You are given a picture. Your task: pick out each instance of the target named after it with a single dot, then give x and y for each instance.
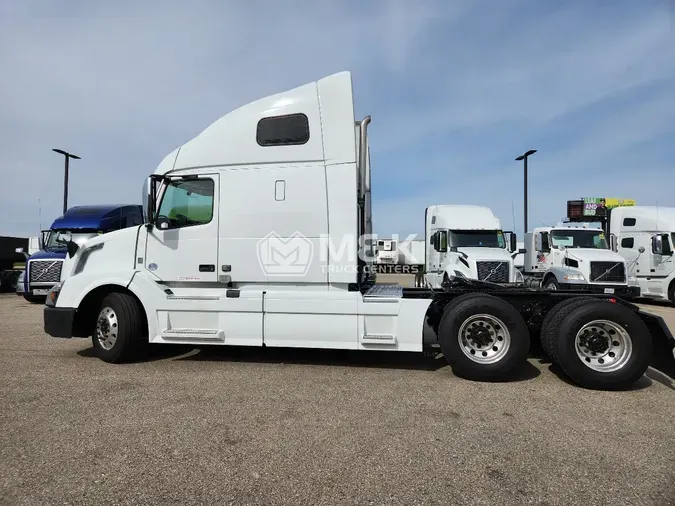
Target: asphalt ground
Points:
(250, 426)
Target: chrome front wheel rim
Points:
(107, 328)
(484, 338)
(603, 345)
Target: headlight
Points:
(633, 280)
(519, 276)
(459, 274)
(574, 277)
(53, 294)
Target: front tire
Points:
(483, 338)
(551, 284)
(119, 328)
(35, 299)
(600, 345)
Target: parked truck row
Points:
(252, 238)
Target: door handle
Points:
(207, 268)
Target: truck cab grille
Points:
(608, 272)
(493, 272)
(45, 271)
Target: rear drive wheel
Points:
(547, 335)
(483, 337)
(118, 332)
(600, 344)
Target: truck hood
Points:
(593, 254)
(48, 255)
(118, 248)
(486, 254)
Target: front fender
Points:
(76, 288)
(560, 272)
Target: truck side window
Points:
(627, 242)
(629, 222)
(288, 130)
(186, 203)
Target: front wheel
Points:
(551, 284)
(483, 338)
(118, 332)
(600, 344)
(35, 299)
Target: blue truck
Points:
(43, 269)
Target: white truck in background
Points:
(645, 237)
(255, 237)
(567, 257)
(467, 241)
(386, 251)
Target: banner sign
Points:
(598, 206)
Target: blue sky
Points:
(456, 90)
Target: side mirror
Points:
(657, 245)
(545, 245)
(513, 243)
(72, 248)
(18, 250)
(443, 241)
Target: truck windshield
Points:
(578, 239)
(477, 239)
(56, 238)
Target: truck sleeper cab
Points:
(253, 238)
(645, 237)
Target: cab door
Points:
(182, 245)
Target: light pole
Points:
(523, 157)
(68, 156)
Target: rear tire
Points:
(547, 334)
(671, 292)
(119, 328)
(600, 344)
(483, 337)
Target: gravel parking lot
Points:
(243, 426)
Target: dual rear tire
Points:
(598, 344)
(483, 337)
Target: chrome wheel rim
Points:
(107, 328)
(484, 338)
(603, 346)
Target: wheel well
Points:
(86, 314)
(547, 277)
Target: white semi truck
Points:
(567, 257)
(645, 237)
(254, 237)
(467, 241)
